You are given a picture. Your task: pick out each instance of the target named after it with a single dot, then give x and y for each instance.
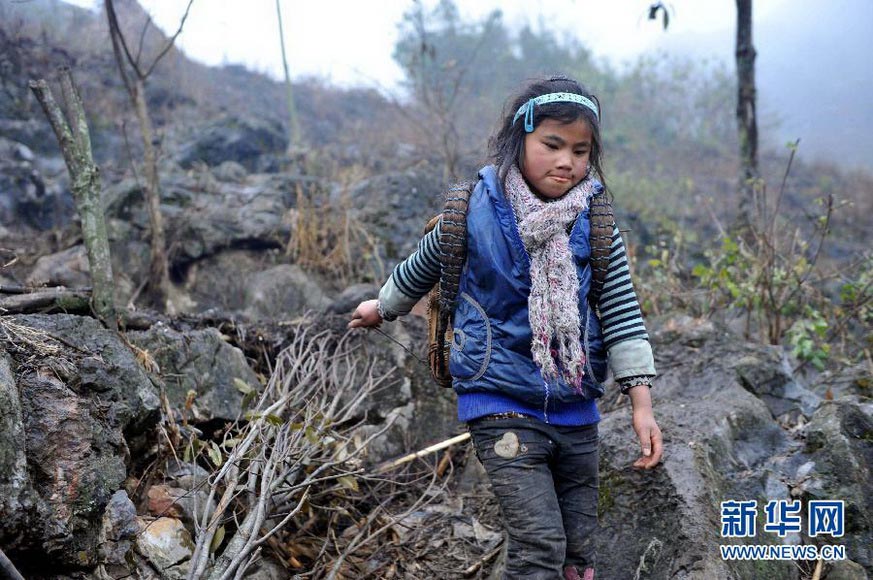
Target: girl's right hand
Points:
(366, 315)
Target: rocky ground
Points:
(88, 489)
(91, 419)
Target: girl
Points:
(529, 350)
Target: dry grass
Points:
(329, 239)
(30, 339)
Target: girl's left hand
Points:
(649, 434)
(647, 430)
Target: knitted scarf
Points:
(553, 304)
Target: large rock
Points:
(77, 463)
(209, 224)
(68, 268)
(211, 285)
(234, 139)
(281, 293)
(839, 442)
(97, 364)
(72, 269)
(202, 362)
(722, 443)
(84, 400)
(232, 216)
(347, 300)
(396, 206)
(15, 488)
(204, 216)
(25, 196)
(766, 372)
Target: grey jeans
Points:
(545, 479)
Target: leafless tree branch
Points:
(297, 437)
(172, 40)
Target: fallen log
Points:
(47, 301)
(14, 289)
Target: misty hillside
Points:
(826, 98)
(671, 153)
(41, 35)
(822, 97)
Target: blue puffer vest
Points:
(491, 350)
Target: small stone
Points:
(846, 570)
(804, 470)
(163, 501)
(164, 542)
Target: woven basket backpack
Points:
(442, 298)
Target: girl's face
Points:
(556, 156)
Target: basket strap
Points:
(602, 226)
(453, 254)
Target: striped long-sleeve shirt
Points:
(624, 332)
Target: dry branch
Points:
(426, 451)
(483, 561)
(8, 569)
(298, 439)
(50, 300)
(134, 83)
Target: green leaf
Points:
(349, 482)
(248, 398)
(215, 454)
(311, 435)
(192, 449)
(216, 539)
(274, 420)
(242, 386)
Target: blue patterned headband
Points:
(527, 109)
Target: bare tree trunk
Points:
(746, 116)
(293, 125)
(75, 142)
(159, 273)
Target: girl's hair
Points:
(506, 148)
